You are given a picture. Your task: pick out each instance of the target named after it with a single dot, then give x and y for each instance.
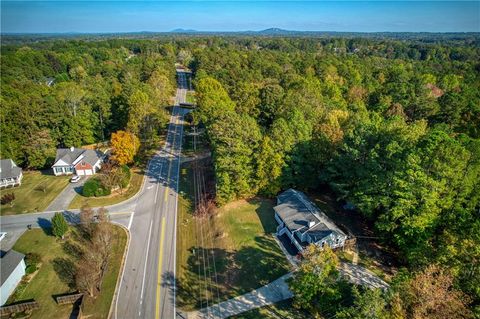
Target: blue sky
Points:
(134, 16)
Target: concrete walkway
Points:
(271, 293)
(63, 200)
(361, 276)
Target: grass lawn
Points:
(133, 188)
(226, 255)
(47, 283)
(30, 196)
(283, 309)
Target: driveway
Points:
(66, 196)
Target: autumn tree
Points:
(431, 294)
(125, 146)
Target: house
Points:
(78, 161)
(12, 269)
(10, 173)
(304, 223)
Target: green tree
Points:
(59, 225)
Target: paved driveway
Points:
(66, 196)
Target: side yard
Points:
(227, 254)
(56, 270)
(37, 191)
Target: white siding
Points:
(11, 283)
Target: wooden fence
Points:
(19, 307)
(68, 299)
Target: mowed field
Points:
(37, 191)
(225, 255)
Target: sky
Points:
(161, 16)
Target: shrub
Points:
(90, 187)
(33, 259)
(30, 269)
(94, 187)
(126, 175)
(7, 198)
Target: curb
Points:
(121, 270)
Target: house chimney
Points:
(311, 223)
(72, 148)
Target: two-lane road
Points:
(147, 286)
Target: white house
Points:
(10, 173)
(12, 269)
(78, 161)
(304, 223)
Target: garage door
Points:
(80, 172)
(88, 172)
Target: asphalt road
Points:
(147, 285)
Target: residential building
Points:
(77, 160)
(304, 223)
(12, 269)
(10, 173)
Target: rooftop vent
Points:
(72, 148)
(311, 223)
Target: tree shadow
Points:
(46, 225)
(213, 275)
(65, 270)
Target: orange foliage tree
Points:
(125, 145)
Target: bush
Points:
(127, 174)
(90, 187)
(7, 198)
(94, 187)
(32, 260)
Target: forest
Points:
(74, 93)
(392, 126)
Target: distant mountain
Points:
(274, 31)
(180, 30)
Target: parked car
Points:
(75, 179)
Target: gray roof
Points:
(8, 169)
(69, 155)
(8, 263)
(298, 212)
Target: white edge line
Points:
(146, 261)
(131, 220)
(123, 273)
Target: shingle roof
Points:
(298, 212)
(8, 169)
(69, 156)
(8, 263)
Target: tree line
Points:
(74, 93)
(395, 134)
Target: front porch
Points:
(63, 170)
(10, 182)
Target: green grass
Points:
(238, 239)
(47, 283)
(30, 197)
(133, 188)
(283, 309)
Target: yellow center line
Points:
(159, 273)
